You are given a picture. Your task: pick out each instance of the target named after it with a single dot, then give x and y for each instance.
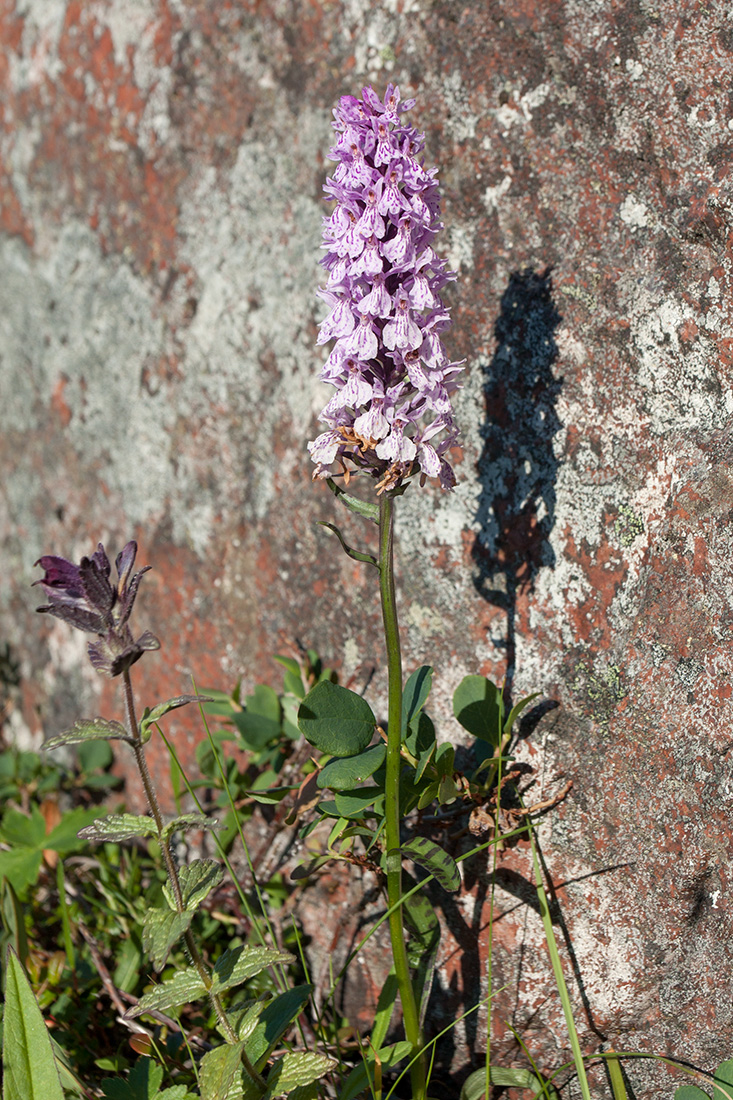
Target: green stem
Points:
(170, 866)
(410, 1013)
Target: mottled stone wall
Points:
(161, 165)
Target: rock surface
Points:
(161, 165)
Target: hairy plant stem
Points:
(175, 883)
(410, 1015)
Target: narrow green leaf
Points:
(336, 720)
(118, 827)
(221, 1073)
(295, 1070)
(129, 957)
(14, 921)
(426, 853)
(185, 986)
(357, 555)
(237, 966)
(360, 507)
(385, 1010)
(274, 1021)
(415, 694)
(517, 710)
(161, 929)
(360, 1078)
(198, 878)
(89, 729)
(616, 1077)
(150, 717)
(190, 821)
(29, 1069)
(348, 772)
(476, 706)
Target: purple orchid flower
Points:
(392, 376)
(83, 596)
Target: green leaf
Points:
(189, 821)
(295, 1070)
(474, 1086)
(65, 837)
(336, 720)
(420, 915)
(20, 867)
(274, 1021)
(447, 790)
(237, 966)
(90, 729)
(183, 988)
(150, 717)
(13, 918)
(385, 1010)
(348, 772)
(445, 759)
(415, 695)
(420, 737)
(690, 1092)
(435, 860)
(359, 1079)
(95, 756)
(724, 1074)
(357, 555)
(29, 1068)
(517, 710)
(221, 1073)
(118, 827)
(476, 705)
(127, 971)
(261, 721)
(143, 1082)
(360, 507)
(429, 793)
(197, 878)
(20, 829)
(161, 929)
(353, 804)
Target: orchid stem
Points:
(410, 1013)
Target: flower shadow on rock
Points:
(518, 467)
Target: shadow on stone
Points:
(518, 467)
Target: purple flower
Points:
(83, 596)
(393, 379)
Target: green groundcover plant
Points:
(231, 1017)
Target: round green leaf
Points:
(336, 720)
(476, 705)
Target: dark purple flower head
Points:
(83, 596)
(391, 414)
